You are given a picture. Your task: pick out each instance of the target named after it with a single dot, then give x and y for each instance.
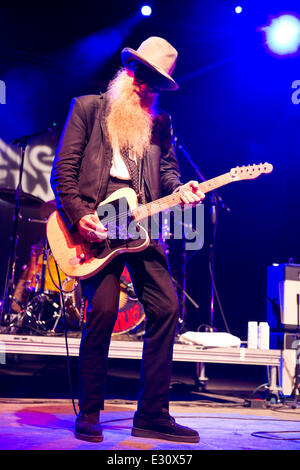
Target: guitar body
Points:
(79, 258)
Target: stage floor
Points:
(45, 424)
(37, 414)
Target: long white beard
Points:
(129, 120)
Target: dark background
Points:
(233, 107)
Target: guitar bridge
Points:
(117, 218)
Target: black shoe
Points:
(162, 427)
(88, 428)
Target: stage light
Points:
(146, 10)
(238, 9)
(283, 34)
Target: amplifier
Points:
(283, 296)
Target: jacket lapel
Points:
(108, 152)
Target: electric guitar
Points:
(122, 216)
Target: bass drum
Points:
(130, 317)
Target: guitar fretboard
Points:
(164, 203)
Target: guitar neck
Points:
(164, 203)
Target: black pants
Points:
(153, 286)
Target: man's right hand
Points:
(90, 228)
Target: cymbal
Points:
(27, 200)
(47, 208)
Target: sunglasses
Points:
(152, 79)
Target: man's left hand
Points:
(190, 193)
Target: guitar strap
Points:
(136, 173)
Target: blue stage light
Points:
(238, 9)
(283, 34)
(146, 10)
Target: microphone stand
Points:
(180, 287)
(215, 199)
(213, 218)
(188, 157)
(22, 142)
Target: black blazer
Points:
(83, 159)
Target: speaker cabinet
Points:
(283, 294)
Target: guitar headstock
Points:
(250, 171)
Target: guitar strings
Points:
(205, 186)
(164, 200)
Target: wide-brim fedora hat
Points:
(157, 54)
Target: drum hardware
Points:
(129, 289)
(44, 314)
(18, 302)
(9, 286)
(42, 284)
(38, 317)
(36, 221)
(83, 311)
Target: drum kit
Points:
(45, 301)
